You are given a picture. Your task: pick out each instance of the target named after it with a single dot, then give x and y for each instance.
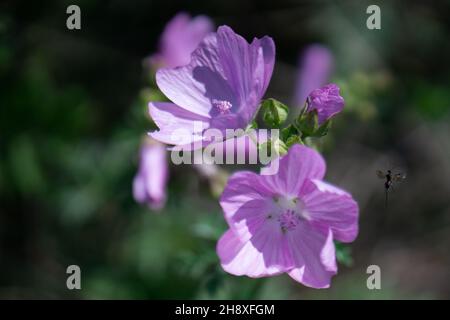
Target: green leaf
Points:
(275, 112)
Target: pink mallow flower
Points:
(286, 223)
(179, 39)
(221, 88)
(326, 101)
(149, 184)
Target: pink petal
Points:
(180, 38)
(178, 126)
(314, 255)
(268, 49)
(332, 207)
(316, 64)
(248, 68)
(242, 188)
(149, 184)
(139, 192)
(266, 253)
(299, 164)
(255, 245)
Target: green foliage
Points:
(433, 102)
(343, 254)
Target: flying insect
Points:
(390, 179)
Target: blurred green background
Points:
(72, 116)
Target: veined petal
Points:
(299, 164)
(244, 187)
(332, 207)
(266, 48)
(314, 255)
(177, 125)
(247, 67)
(266, 253)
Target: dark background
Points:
(73, 112)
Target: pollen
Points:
(222, 105)
(290, 213)
(288, 220)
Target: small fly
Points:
(390, 178)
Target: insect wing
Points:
(399, 177)
(381, 174)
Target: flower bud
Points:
(275, 113)
(326, 101)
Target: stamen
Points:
(290, 212)
(288, 220)
(223, 106)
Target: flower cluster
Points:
(284, 222)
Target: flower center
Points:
(222, 105)
(290, 213)
(288, 220)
